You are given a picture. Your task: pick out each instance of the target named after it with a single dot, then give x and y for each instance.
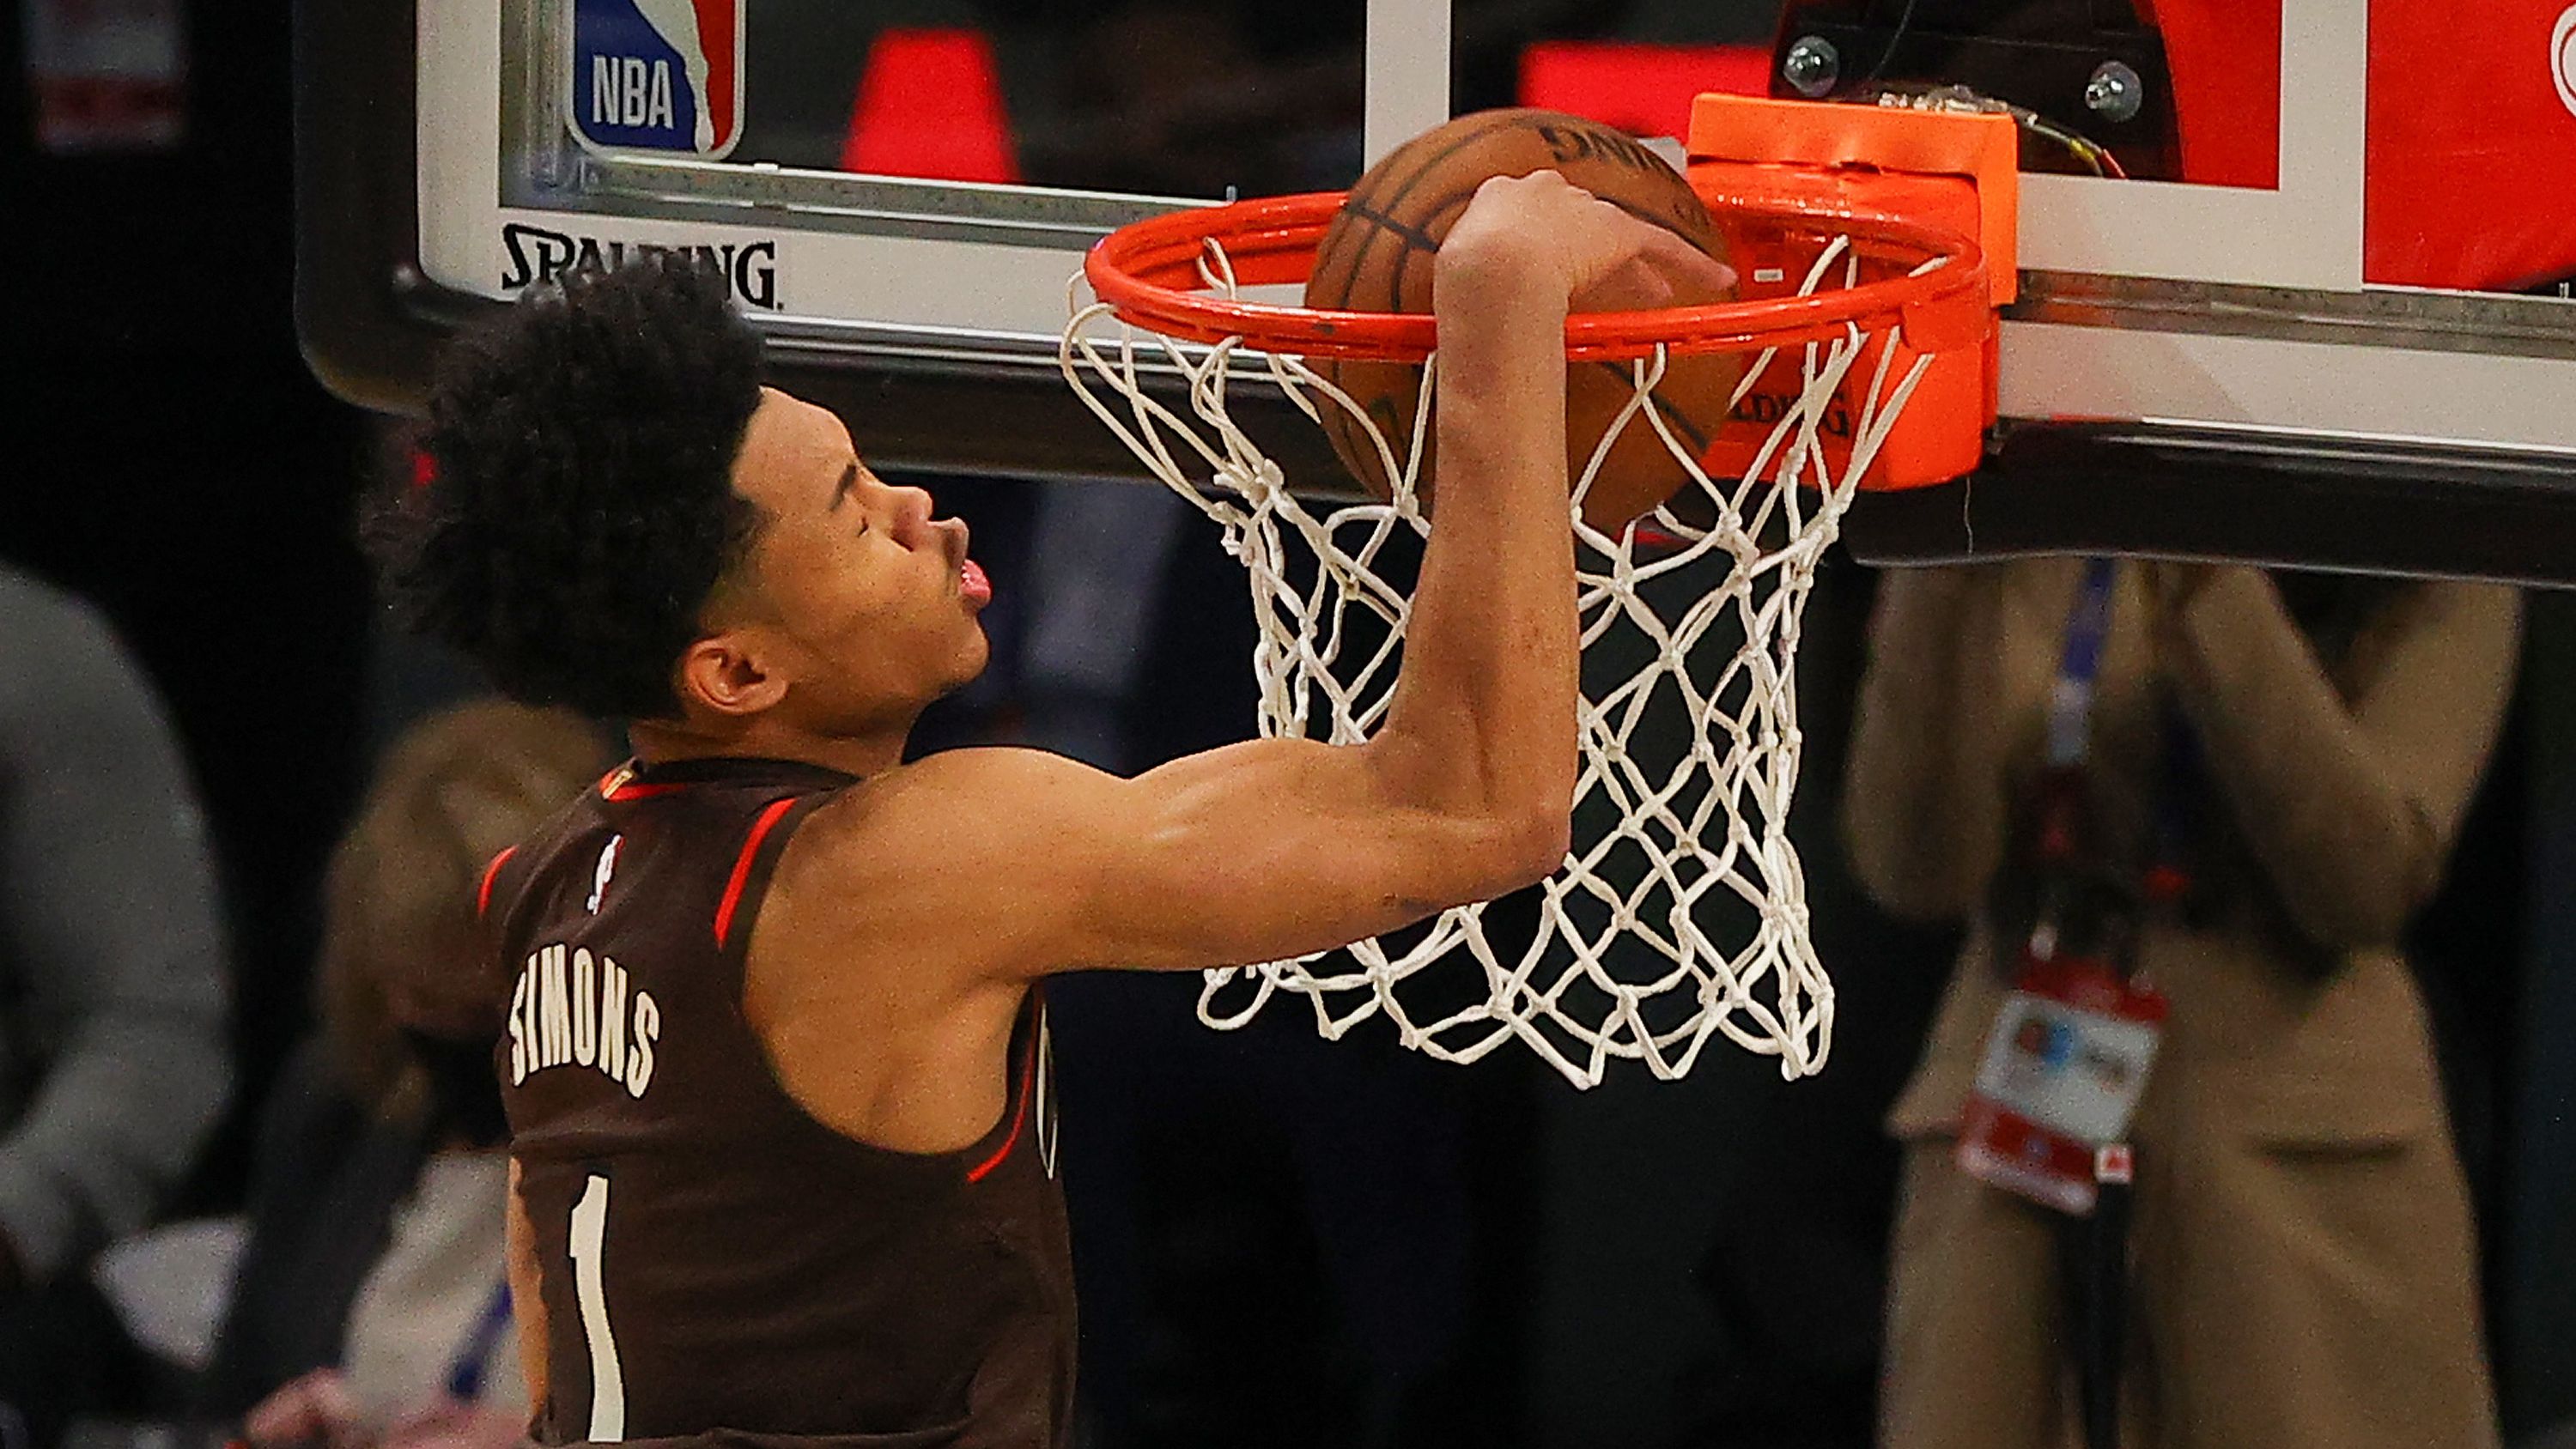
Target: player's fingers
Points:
(1601, 238)
(1653, 288)
(1610, 259)
(1653, 268)
(1532, 189)
(1631, 286)
(1692, 273)
(1507, 210)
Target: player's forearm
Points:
(1483, 719)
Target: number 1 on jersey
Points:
(607, 1384)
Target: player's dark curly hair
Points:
(572, 504)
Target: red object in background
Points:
(2471, 121)
(1645, 90)
(2471, 180)
(2225, 59)
(107, 78)
(930, 105)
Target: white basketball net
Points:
(1680, 911)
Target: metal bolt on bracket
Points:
(2115, 93)
(1812, 66)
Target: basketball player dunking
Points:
(775, 1063)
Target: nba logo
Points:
(658, 75)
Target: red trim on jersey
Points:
(492, 872)
(742, 865)
(1019, 1116)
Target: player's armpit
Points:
(1014, 863)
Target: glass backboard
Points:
(2323, 319)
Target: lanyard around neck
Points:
(2165, 880)
(2079, 666)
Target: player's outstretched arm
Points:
(1277, 848)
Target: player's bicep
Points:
(1254, 852)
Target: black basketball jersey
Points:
(713, 1262)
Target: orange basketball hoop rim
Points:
(1911, 212)
(1154, 272)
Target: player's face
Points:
(868, 602)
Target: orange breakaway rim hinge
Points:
(1957, 171)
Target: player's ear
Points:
(723, 675)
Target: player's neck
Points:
(861, 755)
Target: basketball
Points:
(1376, 256)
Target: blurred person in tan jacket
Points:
(2302, 1260)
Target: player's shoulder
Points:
(989, 766)
(954, 798)
(540, 852)
(991, 839)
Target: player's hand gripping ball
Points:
(1377, 257)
